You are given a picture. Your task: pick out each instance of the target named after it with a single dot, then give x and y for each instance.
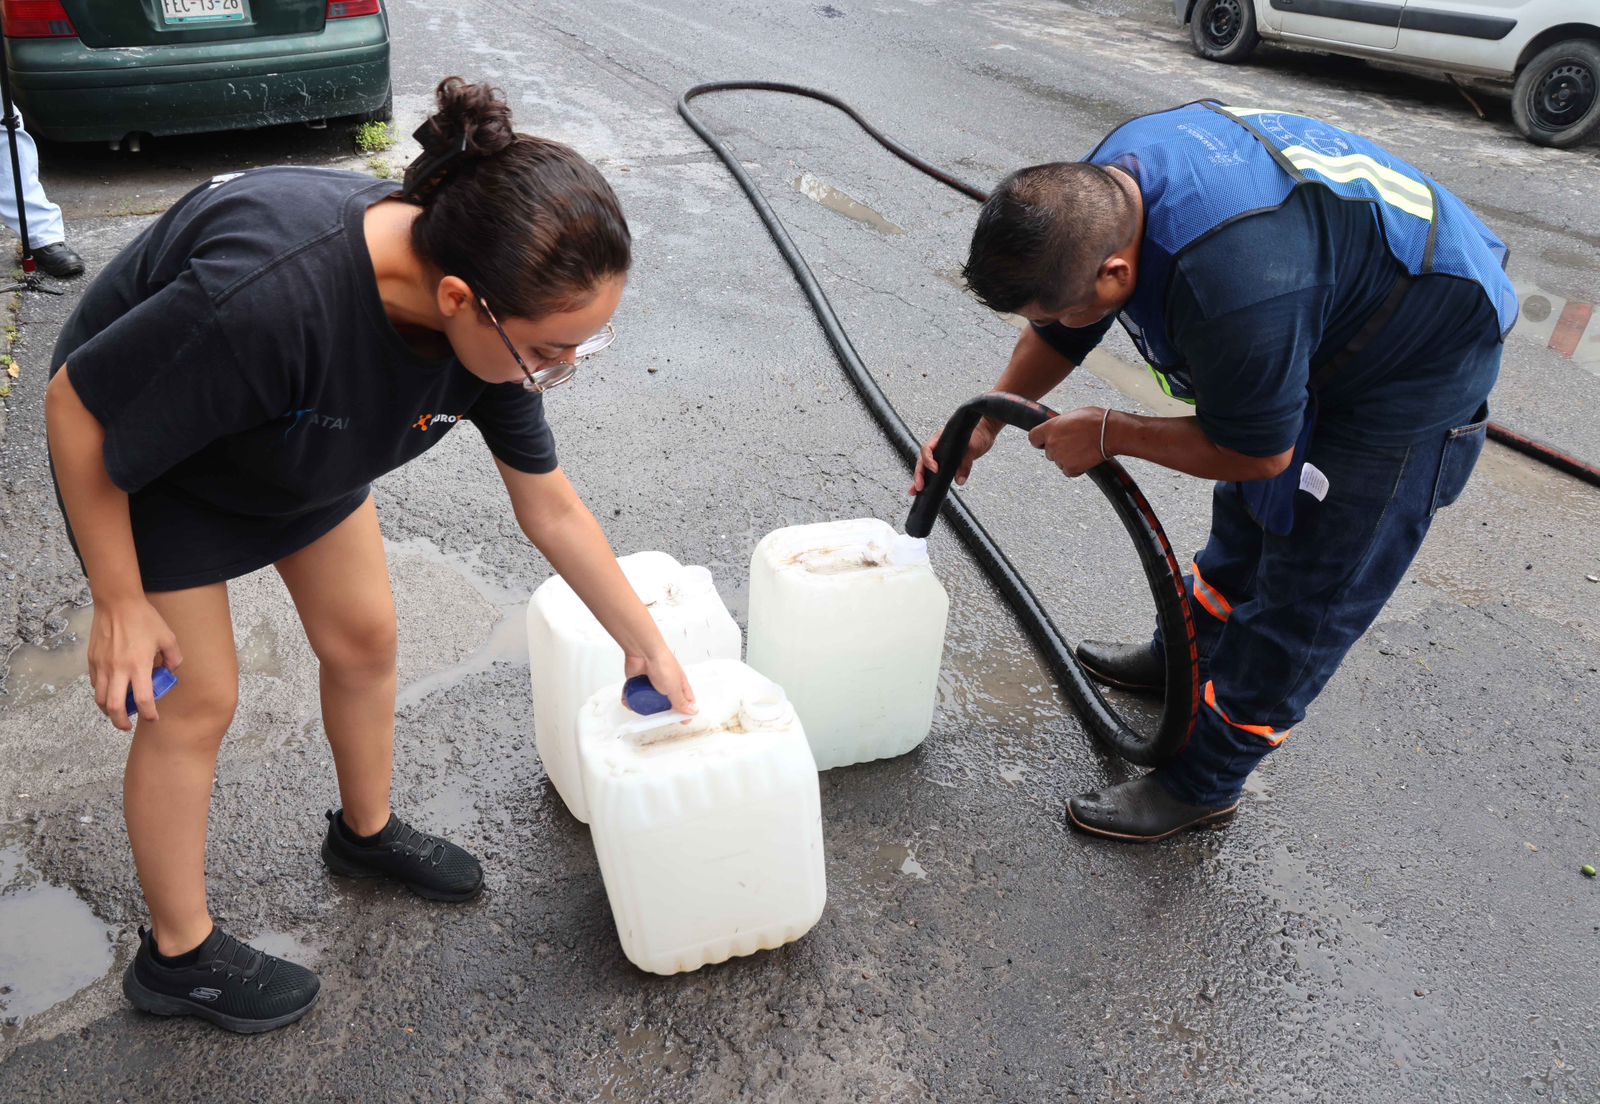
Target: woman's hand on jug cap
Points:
(666, 675)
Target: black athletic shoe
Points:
(231, 984)
(429, 866)
(1134, 667)
(1141, 811)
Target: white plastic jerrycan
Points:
(709, 835)
(849, 618)
(570, 655)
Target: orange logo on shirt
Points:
(422, 422)
(427, 420)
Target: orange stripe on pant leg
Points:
(1210, 598)
(1266, 732)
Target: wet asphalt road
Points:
(1397, 914)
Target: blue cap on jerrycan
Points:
(643, 698)
(161, 680)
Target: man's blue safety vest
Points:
(1202, 165)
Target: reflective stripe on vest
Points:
(1166, 385)
(1394, 188)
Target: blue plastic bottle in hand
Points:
(161, 680)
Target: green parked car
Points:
(105, 70)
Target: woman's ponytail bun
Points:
(527, 222)
(477, 113)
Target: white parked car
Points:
(1550, 49)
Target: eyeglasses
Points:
(561, 371)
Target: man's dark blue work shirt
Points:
(1254, 306)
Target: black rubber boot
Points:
(231, 984)
(1134, 667)
(1141, 811)
(427, 865)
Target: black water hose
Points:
(1173, 613)
(1161, 567)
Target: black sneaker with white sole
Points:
(230, 983)
(427, 865)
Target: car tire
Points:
(1224, 30)
(381, 114)
(1556, 100)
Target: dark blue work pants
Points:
(1275, 615)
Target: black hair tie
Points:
(425, 174)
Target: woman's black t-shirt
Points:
(250, 385)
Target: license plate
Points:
(183, 13)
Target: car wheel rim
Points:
(1563, 96)
(1223, 21)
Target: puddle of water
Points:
(1569, 258)
(507, 639)
(39, 671)
(452, 810)
(1139, 712)
(258, 655)
(840, 203)
(1257, 789)
(1189, 1043)
(54, 945)
(892, 862)
(1548, 488)
(986, 688)
(1335, 948)
(644, 1060)
(296, 947)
